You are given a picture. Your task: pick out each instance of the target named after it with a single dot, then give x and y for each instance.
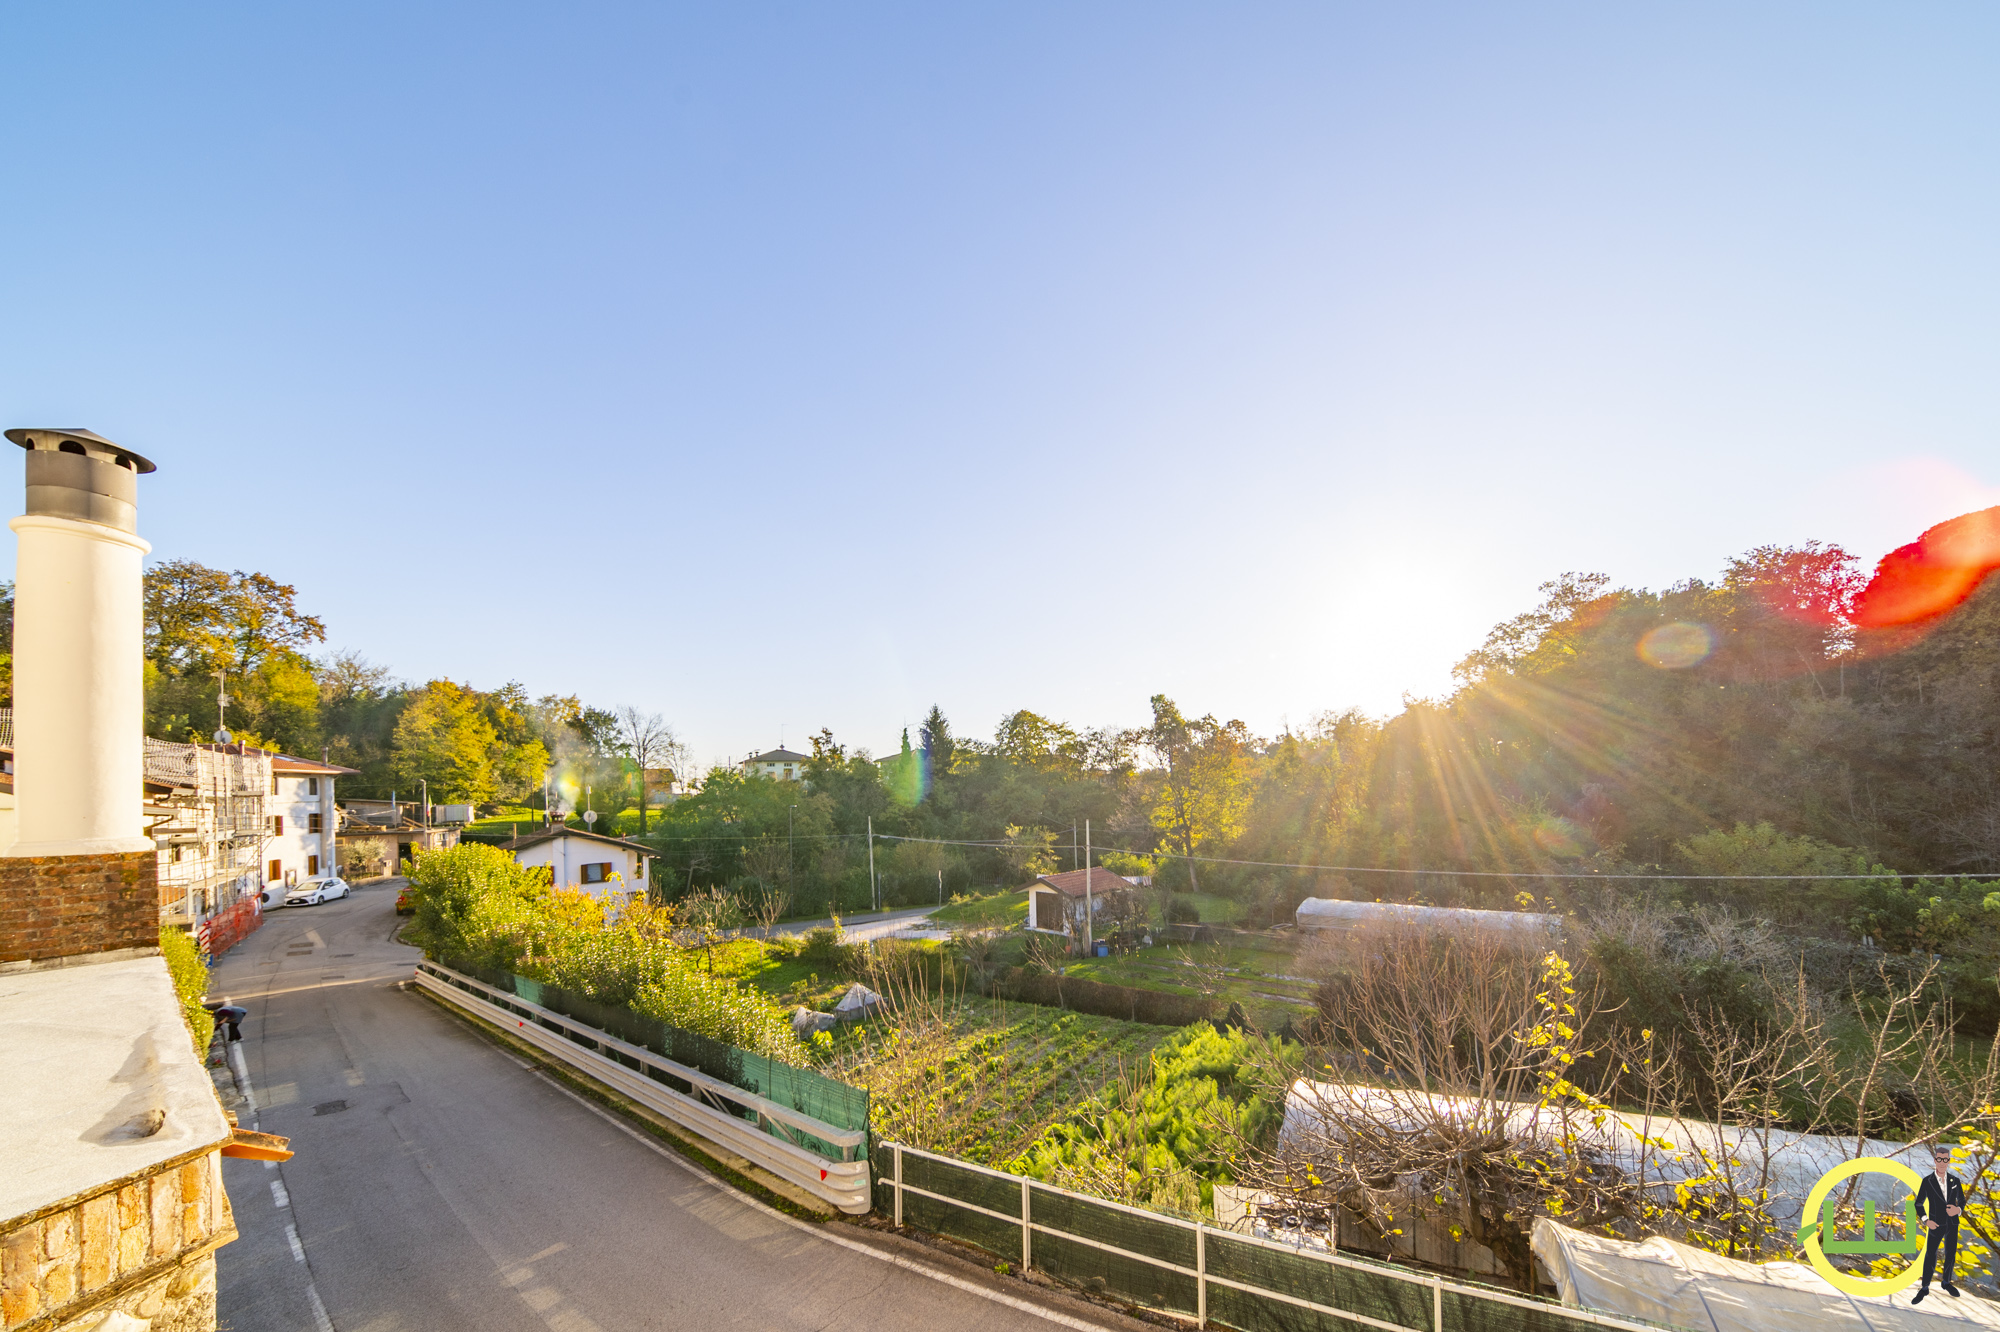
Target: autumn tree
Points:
(1204, 787)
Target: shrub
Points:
(190, 977)
(1182, 911)
(1105, 1000)
(1163, 1140)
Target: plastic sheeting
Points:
(1668, 1282)
(1788, 1164)
(1329, 913)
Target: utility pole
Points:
(1072, 843)
(1089, 911)
(940, 887)
(789, 811)
(873, 891)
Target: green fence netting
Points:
(1125, 1275)
(1307, 1276)
(1148, 1259)
(832, 1103)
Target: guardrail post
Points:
(1200, 1275)
(897, 1148)
(1027, 1230)
(1437, 1303)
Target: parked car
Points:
(314, 891)
(406, 901)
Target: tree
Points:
(937, 743)
(1204, 788)
(651, 743)
(444, 739)
(199, 621)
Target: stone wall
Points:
(145, 1249)
(61, 906)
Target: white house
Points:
(780, 764)
(300, 843)
(600, 865)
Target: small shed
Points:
(1056, 901)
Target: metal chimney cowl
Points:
(79, 675)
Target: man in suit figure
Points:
(1939, 1202)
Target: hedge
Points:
(1102, 999)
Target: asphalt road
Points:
(440, 1183)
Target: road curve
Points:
(440, 1183)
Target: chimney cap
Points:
(25, 437)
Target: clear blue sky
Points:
(804, 365)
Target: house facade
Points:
(304, 819)
(778, 764)
(600, 865)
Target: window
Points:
(597, 872)
(312, 866)
(277, 871)
(274, 783)
(312, 786)
(312, 823)
(277, 825)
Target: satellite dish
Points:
(590, 816)
(222, 735)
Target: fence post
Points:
(1200, 1275)
(897, 1148)
(1437, 1303)
(1027, 1230)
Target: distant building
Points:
(600, 865)
(377, 836)
(662, 788)
(779, 764)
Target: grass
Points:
(1002, 910)
(1250, 976)
(786, 981)
(1214, 910)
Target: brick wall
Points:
(59, 906)
(146, 1247)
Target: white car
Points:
(314, 891)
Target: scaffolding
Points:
(206, 812)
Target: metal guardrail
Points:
(760, 1130)
(1214, 1261)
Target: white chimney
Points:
(79, 674)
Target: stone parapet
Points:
(65, 906)
(143, 1247)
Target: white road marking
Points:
(278, 1194)
(292, 1238)
(320, 1321)
(314, 936)
(820, 1232)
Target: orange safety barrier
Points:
(229, 927)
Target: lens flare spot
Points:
(1676, 646)
(1933, 574)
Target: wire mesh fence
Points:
(1177, 1266)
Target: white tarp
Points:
(1669, 1282)
(1786, 1163)
(1331, 913)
